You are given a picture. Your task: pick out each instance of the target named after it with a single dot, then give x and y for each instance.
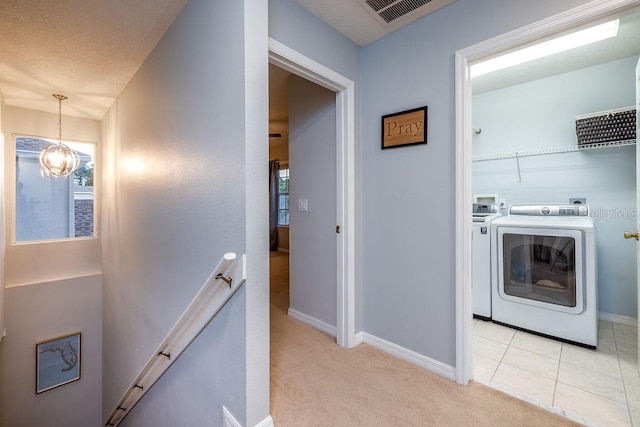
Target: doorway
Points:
(466, 128)
(302, 152)
(287, 59)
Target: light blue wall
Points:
(174, 203)
(541, 114)
(299, 29)
(201, 375)
(296, 27)
(408, 193)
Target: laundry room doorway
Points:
(493, 156)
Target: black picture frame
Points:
(404, 128)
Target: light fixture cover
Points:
(550, 47)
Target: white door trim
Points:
(463, 150)
(293, 61)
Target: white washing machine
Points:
(483, 215)
(544, 272)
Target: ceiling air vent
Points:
(387, 11)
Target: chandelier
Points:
(58, 160)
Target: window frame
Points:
(12, 191)
(288, 193)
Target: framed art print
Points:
(57, 362)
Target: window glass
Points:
(283, 201)
(48, 208)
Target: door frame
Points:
(463, 152)
(305, 67)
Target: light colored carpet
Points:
(279, 280)
(316, 383)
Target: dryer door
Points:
(542, 268)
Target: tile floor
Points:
(595, 387)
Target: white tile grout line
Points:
(555, 386)
(624, 384)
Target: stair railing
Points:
(223, 282)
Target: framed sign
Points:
(57, 362)
(404, 128)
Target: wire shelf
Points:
(553, 150)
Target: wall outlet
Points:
(303, 205)
(578, 200)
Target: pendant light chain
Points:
(60, 98)
(59, 120)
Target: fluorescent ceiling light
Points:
(560, 44)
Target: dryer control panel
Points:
(580, 211)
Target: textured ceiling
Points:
(89, 49)
(85, 49)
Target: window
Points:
(52, 208)
(283, 198)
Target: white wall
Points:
(408, 193)
(59, 259)
(53, 289)
(605, 177)
(186, 157)
(40, 312)
(312, 152)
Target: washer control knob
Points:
(545, 211)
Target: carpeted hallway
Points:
(316, 383)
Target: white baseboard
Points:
(411, 356)
(267, 422)
(616, 318)
(313, 322)
(283, 250)
(359, 338)
(228, 420)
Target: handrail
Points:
(223, 282)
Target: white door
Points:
(638, 189)
(628, 235)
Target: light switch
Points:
(302, 205)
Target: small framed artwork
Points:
(404, 128)
(57, 362)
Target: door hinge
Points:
(338, 229)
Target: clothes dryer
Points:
(544, 271)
